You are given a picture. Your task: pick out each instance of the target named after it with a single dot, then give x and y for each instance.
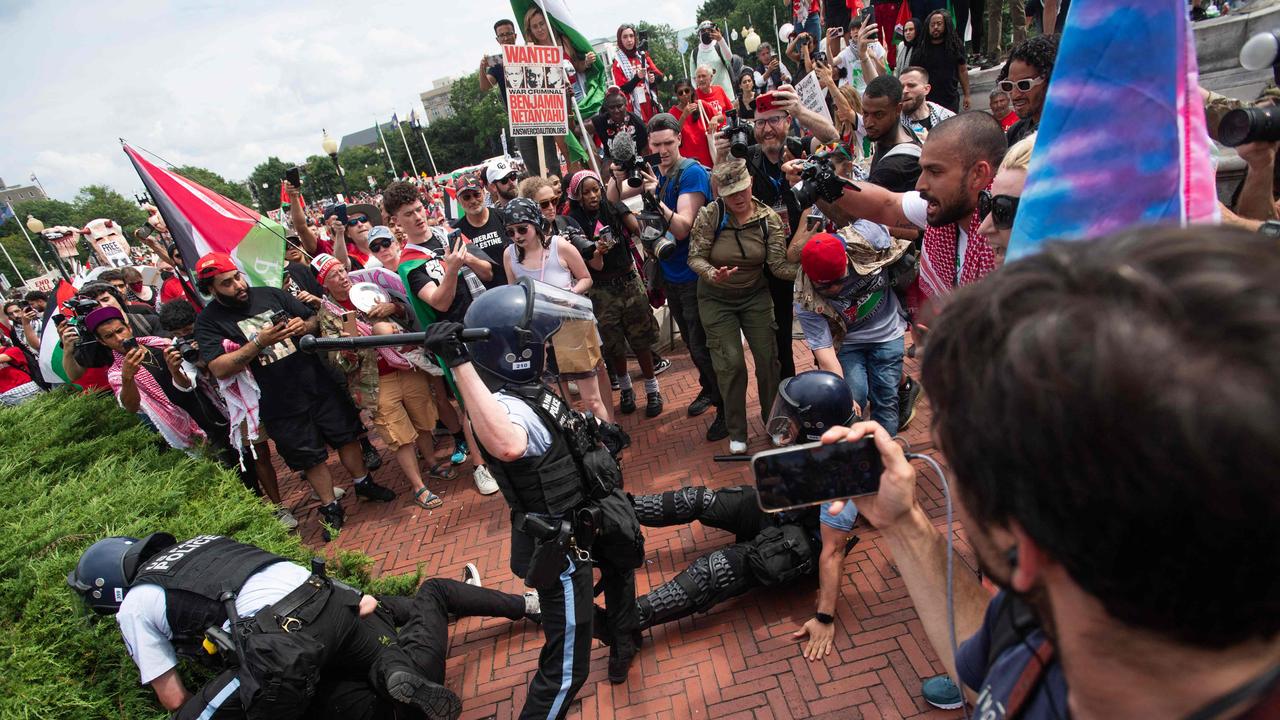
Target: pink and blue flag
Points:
(1122, 138)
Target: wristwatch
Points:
(257, 342)
(824, 618)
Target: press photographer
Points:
(674, 193)
(1146, 611)
(762, 146)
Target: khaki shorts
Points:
(406, 407)
(577, 346)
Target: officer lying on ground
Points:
(295, 643)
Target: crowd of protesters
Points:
(740, 249)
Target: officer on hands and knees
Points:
(564, 492)
(296, 643)
(770, 549)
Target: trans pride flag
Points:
(1122, 139)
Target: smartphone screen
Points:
(279, 316)
(814, 473)
(294, 176)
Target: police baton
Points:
(311, 343)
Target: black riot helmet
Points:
(106, 569)
(808, 405)
(521, 319)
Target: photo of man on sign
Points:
(536, 102)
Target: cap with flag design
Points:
(469, 183)
(214, 264)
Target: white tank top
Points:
(552, 272)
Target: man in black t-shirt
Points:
(301, 406)
(484, 226)
(896, 162)
(941, 53)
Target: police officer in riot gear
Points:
(769, 549)
(563, 486)
(293, 642)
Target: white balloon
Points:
(751, 41)
(734, 35)
(784, 32)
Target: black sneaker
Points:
(372, 460)
(654, 407)
(370, 490)
(627, 403)
(660, 364)
(416, 691)
(699, 405)
(622, 654)
(717, 429)
(908, 396)
(613, 382)
(332, 517)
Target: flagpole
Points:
(23, 228)
(390, 161)
(407, 151)
(12, 264)
(587, 146)
(423, 135)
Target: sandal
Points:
(442, 471)
(432, 502)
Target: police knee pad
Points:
(673, 507)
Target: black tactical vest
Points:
(193, 574)
(550, 483)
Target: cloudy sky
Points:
(224, 84)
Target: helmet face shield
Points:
(782, 425)
(550, 306)
(808, 405)
(522, 319)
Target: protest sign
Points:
(813, 95)
(535, 90)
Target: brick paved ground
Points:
(738, 661)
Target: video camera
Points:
(1255, 124)
(740, 133)
(818, 179)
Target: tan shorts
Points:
(577, 346)
(406, 407)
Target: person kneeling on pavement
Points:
(558, 472)
(294, 642)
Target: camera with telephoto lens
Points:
(818, 179)
(186, 347)
(1246, 125)
(739, 132)
(586, 248)
(653, 229)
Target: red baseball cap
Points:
(823, 258)
(214, 264)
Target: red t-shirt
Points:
(172, 290)
(1008, 120)
(717, 102)
(693, 138)
(14, 372)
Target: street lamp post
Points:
(36, 226)
(330, 147)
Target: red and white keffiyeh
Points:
(938, 260)
(177, 427)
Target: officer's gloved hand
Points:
(445, 339)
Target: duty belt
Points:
(293, 611)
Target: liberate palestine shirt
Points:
(491, 239)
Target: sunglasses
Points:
(1021, 85)
(469, 196)
(354, 221)
(522, 229)
(380, 244)
(1001, 208)
(548, 204)
(508, 179)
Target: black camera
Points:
(818, 179)
(803, 41)
(739, 132)
(1255, 124)
(653, 229)
(705, 37)
(81, 306)
(187, 348)
(585, 247)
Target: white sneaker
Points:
(471, 574)
(485, 483)
(737, 447)
(337, 494)
(286, 518)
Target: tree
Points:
(744, 13)
(18, 249)
(664, 50)
(360, 163)
(319, 178)
(216, 183)
(271, 173)
(472, 133)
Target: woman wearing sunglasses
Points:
(999, 205)
(537, 252)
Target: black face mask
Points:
(1002, 208)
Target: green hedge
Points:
(75, 469)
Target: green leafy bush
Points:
(77, 469)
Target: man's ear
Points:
(1029, 562)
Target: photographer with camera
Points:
(674, 192)
(80, 354)
(1118, 554)
(731, 281)
(618, 296)
(713, 53)
(774, 112)
(635, 73)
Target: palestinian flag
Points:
(1122, 139)
(564, 26)
(904, 14)
(201, 221)
(413, 257)
(51, 346)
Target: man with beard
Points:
(918, 114)
(301, 407)
(896, 163)
(942, 55)
(1118, 527)
(957, 163)
(501, 181)
(618, 298)
(1025, 77)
